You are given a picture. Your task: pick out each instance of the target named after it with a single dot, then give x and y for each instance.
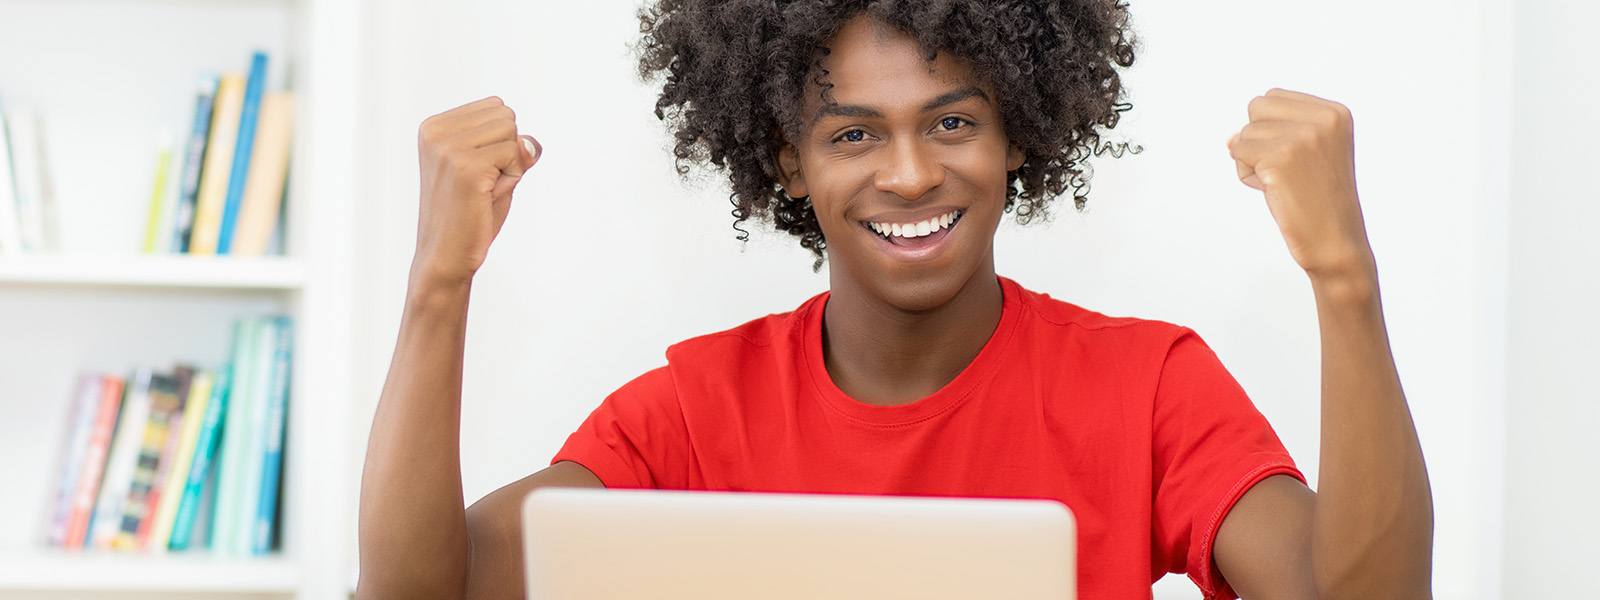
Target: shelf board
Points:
(90, 571)
(162, 271)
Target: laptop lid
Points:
(584, 544)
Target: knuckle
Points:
(1330, 118)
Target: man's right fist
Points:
(471, 158)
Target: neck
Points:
(882, 354)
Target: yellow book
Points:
(218, 164)
(153, 232)
(269, 167)
(177, 476)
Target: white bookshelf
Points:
(154, 271)
(181, 573)
(106, 76)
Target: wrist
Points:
(430, 286)
(1350, 282)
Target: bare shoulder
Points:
(494, 525)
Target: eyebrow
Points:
(945, 99)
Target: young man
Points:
(892, 137)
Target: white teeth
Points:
(918, 229)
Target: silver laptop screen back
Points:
(582, 544)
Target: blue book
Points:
(201, 468)
(272, 459)
(194, 156)
(253, 89)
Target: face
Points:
(906, 169)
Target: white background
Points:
(1473, 133)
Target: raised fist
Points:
(472, 158)
(1298, 149)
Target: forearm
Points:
(413, 531)
(1372, 525)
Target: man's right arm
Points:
(417, 539)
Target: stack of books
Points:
(220, 193)
(183, 460)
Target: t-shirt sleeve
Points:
(636, 438)
(1209, 446)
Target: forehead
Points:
(868, 62)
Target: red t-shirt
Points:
(1133, 424)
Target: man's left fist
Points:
(1298, 149)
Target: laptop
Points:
(582, 544)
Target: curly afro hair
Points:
(734, 72)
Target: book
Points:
(81, 416)
(94, 461)
(266, 520)
(214, 174)
(235, 438)
(201, 536)
(122, 461)
(194, 153)
(153, 223)
(269, 169)
(192, 512)
(10, 229)
(27, 172)
(177, 477)
(164, 403)
(182, 377)
(245, 146)
(256, 405)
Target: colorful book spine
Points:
(158, 196)
(245, 146)
(194, 153)
(74, 447)
(269, 168)
(272, 457)
(201, 468)
(235, 439)
(177, 477)
(136, 507)
(182, 377)
(10, 228)
(213, 192)
(94, 462)
(122, 461)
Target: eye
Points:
(854, 135)
(952, 123)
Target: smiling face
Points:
(905, 169)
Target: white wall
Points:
(608, 258)
(1552, 408)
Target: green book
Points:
(203, 463)
(235, 438)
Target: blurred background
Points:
(1475, 140)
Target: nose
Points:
(910, 169)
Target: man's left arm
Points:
(1368, 530)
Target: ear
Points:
(789, 174)
(1014, 158)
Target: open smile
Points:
(916, 239)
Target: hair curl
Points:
(733, 73)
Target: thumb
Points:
(509, 177)
(530, 152)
